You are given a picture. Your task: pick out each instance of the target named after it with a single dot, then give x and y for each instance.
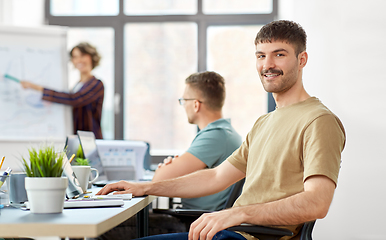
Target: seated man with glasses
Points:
(203, 100)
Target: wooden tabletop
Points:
(77, 223)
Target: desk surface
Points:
(77, 223)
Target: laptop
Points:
(90, 151)
(76, 198)
(72, 145)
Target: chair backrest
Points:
(235, 193)
(306, 232)
(147, 158)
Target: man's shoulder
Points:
(217, 132)
(315, 109)
(299, 114)
(213, 134)
(311, 108)
(217, 126)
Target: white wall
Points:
(15, 150)
(22, 12)
(347, 59)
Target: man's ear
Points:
(197, 106)
(303, 58)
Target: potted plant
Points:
(79, 158)
(45, 186)
(81, 162)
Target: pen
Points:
(72, 157)
(5, 174)
(2, 160)
(11, 78)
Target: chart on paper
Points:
(37, 57)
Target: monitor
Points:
(124, 159)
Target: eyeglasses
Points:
(183, 100)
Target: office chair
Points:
(147, 158)
(187, 216)
(271, 233)
(262, 232)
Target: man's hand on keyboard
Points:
(123, 187)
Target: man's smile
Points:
(272, 73)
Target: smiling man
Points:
(290, 158)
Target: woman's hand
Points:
(30, 85)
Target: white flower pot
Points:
(46, 194)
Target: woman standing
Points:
(86, 98)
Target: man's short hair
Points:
(88, 49)
(211, 86)
(283, 30)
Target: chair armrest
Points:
(182, 212)
(262, 232)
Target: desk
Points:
(75, 223)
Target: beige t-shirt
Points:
(284, 148)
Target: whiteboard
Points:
(38, 55)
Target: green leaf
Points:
(43, 162)
(82, 162)
(79, 152)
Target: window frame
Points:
(118, 22)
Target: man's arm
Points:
(313, 203)
(182, 165)
(198, 184)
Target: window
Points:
(237, 7)
(158, 43)
(157, 7)
(231, 53)
(84, 7)
(154, 80)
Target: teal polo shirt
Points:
(212, 145)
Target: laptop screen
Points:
(90, 151)
(72, 145)
(73, 188)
